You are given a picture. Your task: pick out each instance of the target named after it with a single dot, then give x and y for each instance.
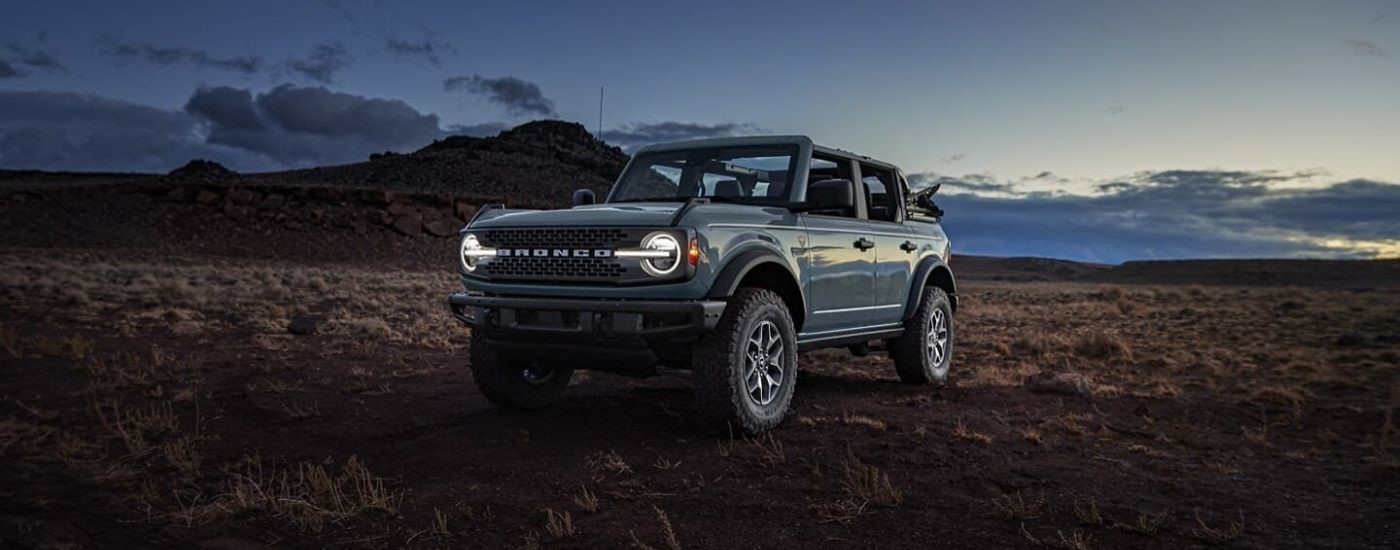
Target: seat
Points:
(728, 188)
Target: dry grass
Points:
(586, 500)
(1088, 512)
(307, 494)
(669, 539)
(1230, 531)
(1146, 523)
(559, 525)
(961, 431)
(1015, 506)
(867, 484)
(610, 461)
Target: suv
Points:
(724, 257)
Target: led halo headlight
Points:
(664, 265)
(472, 251)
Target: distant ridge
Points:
(536, 164)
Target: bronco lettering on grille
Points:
(555, 252)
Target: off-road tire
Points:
(718, 364)
(502, 379)
(910, 350)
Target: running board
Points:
(808, 343)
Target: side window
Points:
(829, 168)
(881, 193)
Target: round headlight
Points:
(661, 242)
(471, 248)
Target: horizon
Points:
(1083, 131)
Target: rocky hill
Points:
(538, 164)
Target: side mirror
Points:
(584, 197)
(831, 195)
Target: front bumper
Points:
(586, 322)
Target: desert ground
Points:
(224, 367)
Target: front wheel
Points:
(924, 352)
(515, 384)
(746, 369)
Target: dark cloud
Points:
(17, 61)
(519, 97)
(70, 131)
(1182, 214)
(245, 64)
(310, 126)
(484, 129)
(952, 184)
(1366, 48)
(286, 127)
(323, 63)
(431, 50)
(632, 136)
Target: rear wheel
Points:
(924, 352)
(746, 369)
(514, 384)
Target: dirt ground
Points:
(150, 398)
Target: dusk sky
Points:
(1154, 129)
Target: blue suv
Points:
(724, 257)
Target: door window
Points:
(881, 193)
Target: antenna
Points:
(600, 113)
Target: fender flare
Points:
(920, 279)
(734, 271)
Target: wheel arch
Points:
(932, 271)
(762, 268)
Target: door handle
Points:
(908, 246)
(864, 244)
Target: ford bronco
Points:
(724, 257)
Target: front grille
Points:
(564, 237)
(559, 268)
(554, 268)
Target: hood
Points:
(641, 214)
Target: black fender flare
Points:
(920, 279)
(733, 272)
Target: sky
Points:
(1101, 131)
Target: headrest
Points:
(728, 188)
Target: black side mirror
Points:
(584, 197)
(831, 195)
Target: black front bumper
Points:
(550, 322)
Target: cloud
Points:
(322, 63)
(1181, 214)
(428, 49)
(1366, 48)
(519, 97)
(1115, 110)
(245, 64)
(305, 126)
(632, 136)
(18, 61)
(71, 131)
(285, 127)
(953, 158)
(951, 184)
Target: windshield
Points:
(755, 175)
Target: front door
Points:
(840, 289)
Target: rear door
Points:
(896, 247)
(841, 276)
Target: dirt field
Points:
(152, 395)
(155, 400)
